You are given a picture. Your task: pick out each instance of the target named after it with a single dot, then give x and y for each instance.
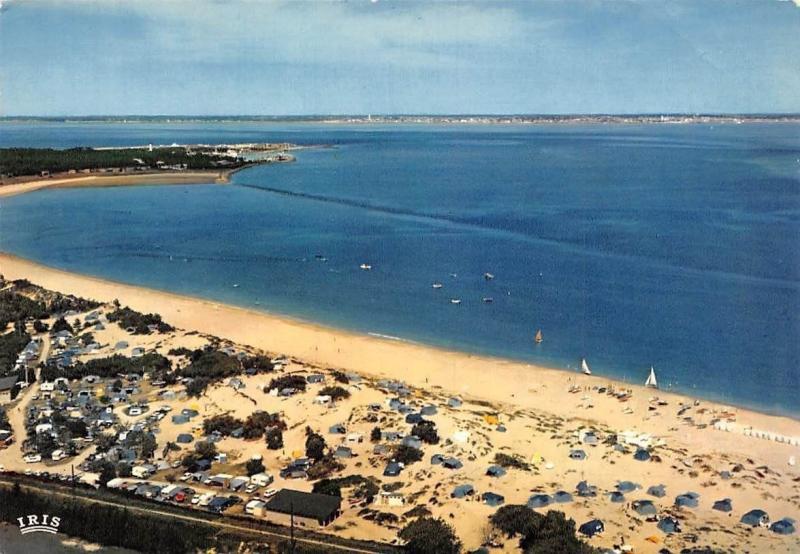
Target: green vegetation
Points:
(208, 366)
(17, 307)
(426, 535)
(109, 367)
(274, 437)
(375, 435)
(296, 382)
(335, 392)
(426, 431)
(11, 344)
(139, 322)
(540, 534)
(4, 424)
(513, 460)
(32, 161)
(407, 454)
(363, 487)
(259, 422)
(254, 466)
(223, 424)
(315, 445)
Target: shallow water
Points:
(674, 246)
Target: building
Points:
(6, 385)
(308, 509)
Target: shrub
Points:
(223, 424)
(315, 445)
(254, 466)
(407, 454)
(296, 382)
(428, 535)
(375, 435)
(274, 438)
(506, 460)
(426, 431)
(335, 392)
(127, 318)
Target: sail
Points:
(585, 367)
(651, 379)
(538, 336)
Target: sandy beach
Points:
(544, 411)
(82, 180)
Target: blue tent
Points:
(393, 469)
(628, 486)
(539, 501)
(493, 499)
(185, 438)
(495, 471)
(452, 463)
(783, 526)
(463, 490)
(577, 454)
(659, 491)
(644, 507)
(687, 500)
(585, 489)
(562, 497)
(428, 410)
(616, 497)
(669, 525)
(755, 518)
(641, 455)
(436, 459)
(591, 528)
(723, 505)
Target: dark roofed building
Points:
(308, 508)
(6, 384)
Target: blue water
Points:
(675, 246)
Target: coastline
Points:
(80, 180)
(507, 383)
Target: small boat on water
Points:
(437, 285)
(651, 379)
(585, 367)
(455, 301)
(236, 285)
(488, 299)
(538, 338)
(365, 267)
(488, 276)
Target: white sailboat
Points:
(651, 379)
(585, 367)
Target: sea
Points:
(672, 246)
(12, 542)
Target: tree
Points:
(40, 326)
(223, 424)
(107, 473)
(327, 486)
(315, 445)
(335, 392)
(427, 535)
(274, 438)
(254, 466)
(426, 431)
(61, 325)
(206, 449)
(375, 435)
(407, 454)
(515, 519)
(553, 533)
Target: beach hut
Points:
(644, 507)
(783, 526)
(755, 518)
(616, 497)
(591, 528)
(641, 455)
(669, 525)
(687, 500)
(659, 491)
(462, 491)
(539, 501)
(723, 505)
(628, 486)
(562, 497)
(492, 499)
(495, 471)
(586, 490)
(577, 454)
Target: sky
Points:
(225, 57)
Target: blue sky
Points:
(204, 57)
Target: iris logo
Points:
(43, 523)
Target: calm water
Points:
(675, 246)
(12, 542)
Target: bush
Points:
(296, 382)
(315, 445)
(274, 437)
(426, 431)
(553, 533)
(327, 486)
(335, 392)
(375, 435)
(506, 460)
(407, 454)
(127, 318)
(223, 424)
(341, 377)
(254, 466)
(61, 325)
(257, 424)
(428, 535)
(40, 326)
(206, 449)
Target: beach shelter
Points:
(492, 499)
(644, 507)
(723, 505)
(539, 501)
(562, 497)
(687, 500)
(641, 455)
(755, 518)
(783, 526)
(591, 528)
(462, 491)
(628, 486)
(616, 497)
(659, 491)
(669, 525)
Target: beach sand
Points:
(542, 418)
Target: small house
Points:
(305, 509)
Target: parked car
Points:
(32, 458)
